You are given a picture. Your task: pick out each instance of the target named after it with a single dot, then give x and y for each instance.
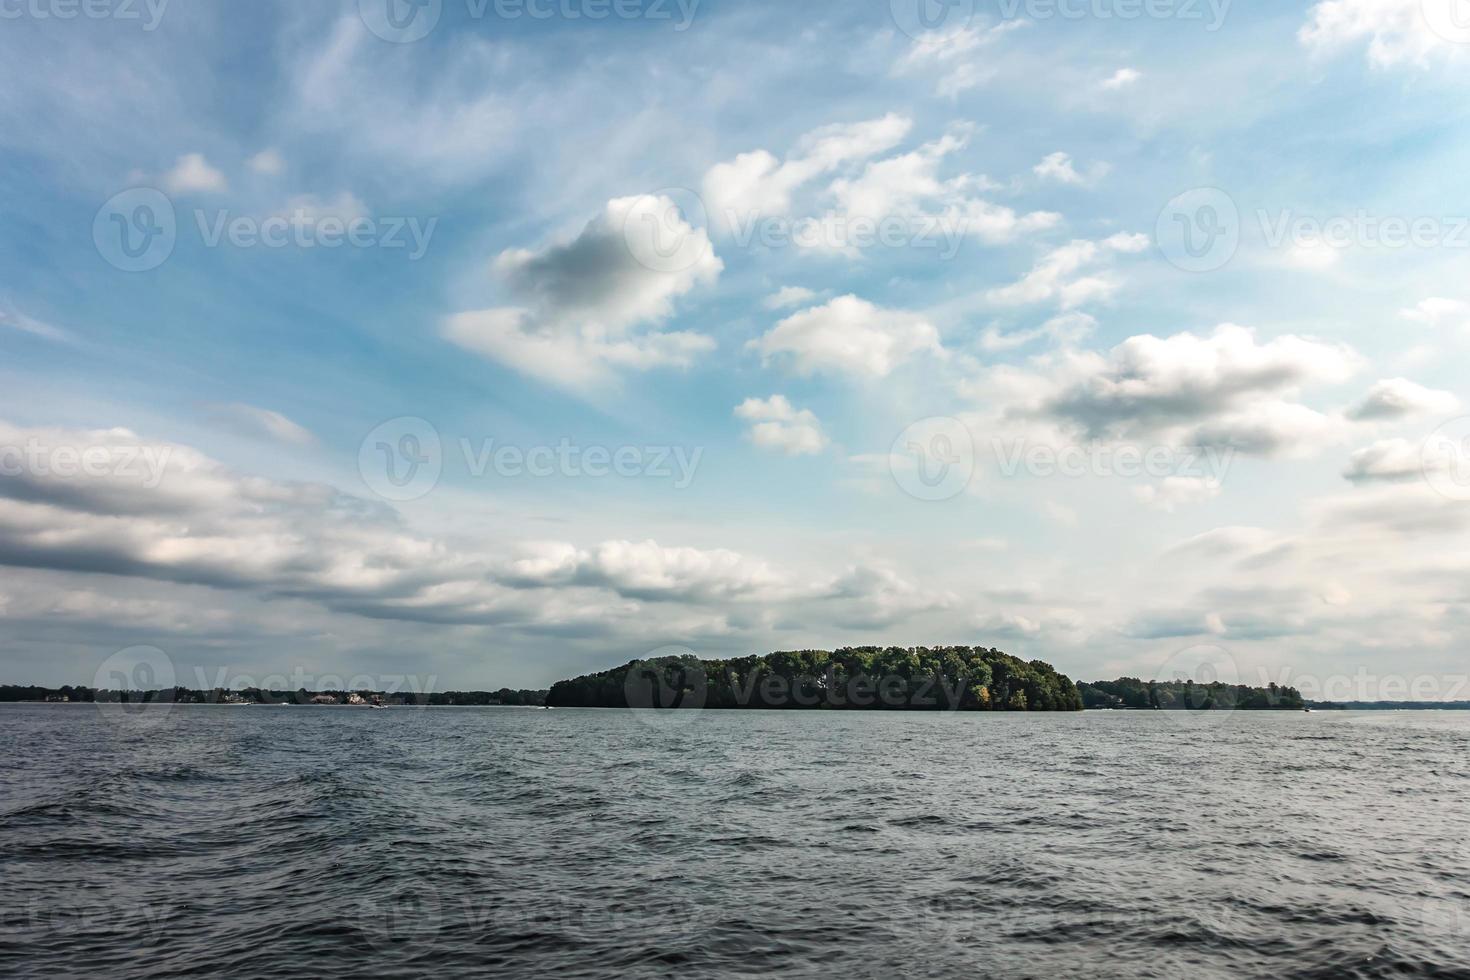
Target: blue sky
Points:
(1032, 170)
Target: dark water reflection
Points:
(291, 841)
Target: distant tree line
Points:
(1130, 692)
(955, 678)
(182, 695)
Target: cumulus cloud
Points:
(594, 304)
(775, 424)
(1059, 167)
(1386, 461)
(757, 183)
(848, 336)
(788, 296)
(193, 174)
(268, 163)
(1440, 313)
(1121, 79)
(1397, 31)
(908, 186)
(1069, 275)
(1225, 390)
(164, 513)
(1400, 398)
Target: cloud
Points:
(263, 422)
(1066, 330)
(14, 320)
(788, 296)
(165, 513)
(1059, 274)
(848, 336)
(954, 57)
(1400, 398)
(908, 186)
(1440, 313)
(1397, 31)
(758, 184)
(193, 174)
(1386, 461)
(1174, 492)
(1224, 390)
(1058, 167)
(775, 424)
(268, 163)
(1121, 79)
(592, 305)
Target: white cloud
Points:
(264, 422)
(1121, 79)
(592, 305)
(1386, 461)
(848, 336)
(758, 184)
(193, 174)
(27, 324)
(1066, 330)
(1440, 313)
(1224, 390)
(1061, 275)
(1397, 31)
(1400, 398)
(775, 424)
(1176, 491)
(954, 57)
(789, 296)
(1060, 168)
(268, 163)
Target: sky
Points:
(478, 344)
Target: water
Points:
(290, 841)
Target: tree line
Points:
(1186, 695)
(953, 678)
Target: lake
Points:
(289, 841)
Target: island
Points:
(950, 678)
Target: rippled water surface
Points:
(301, 841)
